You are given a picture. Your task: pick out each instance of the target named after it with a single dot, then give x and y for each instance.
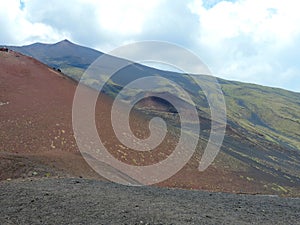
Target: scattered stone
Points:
(4, 103)
(4, 49)
(47, 175)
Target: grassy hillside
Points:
(273, 113)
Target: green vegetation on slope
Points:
(272, 113)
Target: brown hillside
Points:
(35, 128)
(36, 135)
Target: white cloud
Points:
(247, 40)
(16, 29)
(113, 16)
(263, 21)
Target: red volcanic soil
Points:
(37, 139)
(36, 120)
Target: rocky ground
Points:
(83, 201)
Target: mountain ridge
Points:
(23, 48)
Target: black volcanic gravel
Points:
(80, 201)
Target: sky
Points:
(246, 40)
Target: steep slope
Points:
(35, 127)
(264, 113)
(36, 132)
(271, 112)
(251, 160)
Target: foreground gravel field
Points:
(80, 201)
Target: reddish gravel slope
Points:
(36, 135)
(36, 113)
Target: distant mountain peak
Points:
(65, 41)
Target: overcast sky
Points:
(254, 41)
